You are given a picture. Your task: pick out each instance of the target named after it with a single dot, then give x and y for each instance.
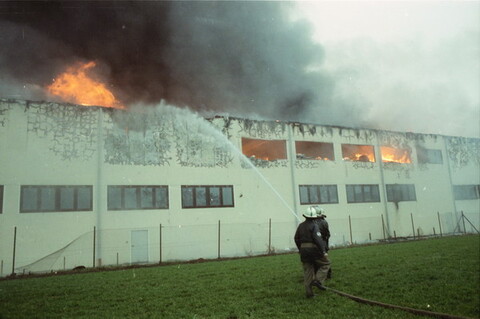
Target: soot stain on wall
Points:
(71, 129)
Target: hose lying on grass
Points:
(412, 310)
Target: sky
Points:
(409, 66)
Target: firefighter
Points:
(313, 254)
(324, 231)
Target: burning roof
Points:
(220, 56)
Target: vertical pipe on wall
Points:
(14, 248)
(99, 201)
(454, 204)
(382, 177)
(292, 159)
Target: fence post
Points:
(160, 243)
(218, 239)
(94, 244)
(434, 234)
(463, 221)
(439, 224)
(269, 236)
(383, 228)
(413, 226)
(350, 225)
(14, 248)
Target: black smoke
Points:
(237, 57)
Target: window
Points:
(401, 192)
(267, 150)
(358, 153)
(314, 151)
(207, 196)
(362, 193)
(137, 197)
(465, 192)
(318, 194)
(395, 155)
(1, 199)
(429, 156)
(55, 198)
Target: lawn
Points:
(440, 275)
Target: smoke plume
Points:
(241, 58)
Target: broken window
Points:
(401, 192)
(267, 150)
(429, 156)
(358, 153)
(395, 155)
(318, 194)
(207, 196)
(55, 198)
(362, 193)
(126, 197)
(466, 192)
(314, 150)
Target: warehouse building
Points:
(94, 186)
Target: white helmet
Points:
(311, 212)
(320, 211)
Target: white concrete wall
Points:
(57, 144)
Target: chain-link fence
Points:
(175, 243)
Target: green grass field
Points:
(440, 275)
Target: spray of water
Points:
(191, 123)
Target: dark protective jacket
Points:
(308, 232)
(324, 230)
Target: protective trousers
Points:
(316, 270)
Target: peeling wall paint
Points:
(262, 129)
(162, 136)
(71, 130)
(4, 108)
(463, 151)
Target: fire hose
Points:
(385, 305)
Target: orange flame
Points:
(395, 155)
(75, 86)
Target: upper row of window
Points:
(80, 197)
(270, 150)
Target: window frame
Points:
(271, 157)
(206, 202)
(42, 194)
(318, 190)
(324, 150)
(457, 190)
(399, 190)
(364, 195)
(357, 148)
(125, 195)
(429, 156)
